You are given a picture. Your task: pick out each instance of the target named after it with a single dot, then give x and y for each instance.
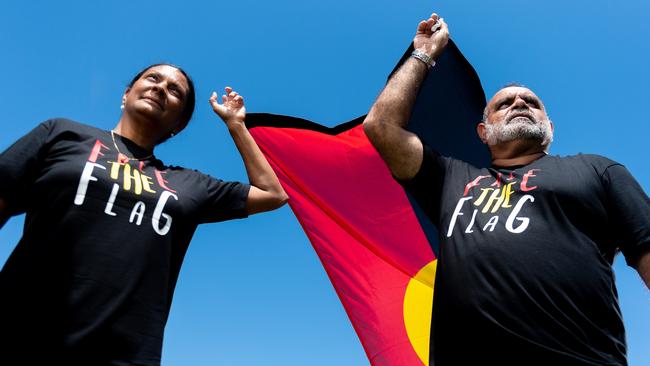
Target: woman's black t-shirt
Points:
(92, 278)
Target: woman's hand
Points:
(232, 109)
(266, 192)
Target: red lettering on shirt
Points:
(524, 181)
(161, 180)
(474, 183)
(96, 151)
(498, 181)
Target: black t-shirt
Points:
(524, 275)
(91, 280)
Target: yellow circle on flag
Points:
(417, 310)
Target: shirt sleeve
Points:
(20, 164)
(426, 185)
(224, 201)
(628, 207)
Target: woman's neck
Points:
(136, 132)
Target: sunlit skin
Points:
(153, 106)
(385, 124)
(507, 105)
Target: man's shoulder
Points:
(593, 159)
(597, 162)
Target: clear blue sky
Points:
(252, 292)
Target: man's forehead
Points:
(511, 92)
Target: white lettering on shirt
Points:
(138, 210)
(158, 212)
(86, 177)
(513, 216)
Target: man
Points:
(524, 275)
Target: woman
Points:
(108, 224)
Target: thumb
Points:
(214, 101)
(213, 98)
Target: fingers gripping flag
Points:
(377, 247)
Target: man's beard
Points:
(519, 128)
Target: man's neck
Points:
(516, 152)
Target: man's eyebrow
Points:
(532, 97)
(503, 99)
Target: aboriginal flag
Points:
(377, 247)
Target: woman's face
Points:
(158, 97)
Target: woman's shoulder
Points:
(191, 177)
(54, 129)
(60, 124)
(177, 170)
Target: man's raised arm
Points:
(386, 122)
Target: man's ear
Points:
(480, 130)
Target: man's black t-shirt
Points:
(524, 275)
(91, 280)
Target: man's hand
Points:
(232, 109)
(432, 36)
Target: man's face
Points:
(516, 113)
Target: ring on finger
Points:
(436, 26)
